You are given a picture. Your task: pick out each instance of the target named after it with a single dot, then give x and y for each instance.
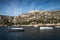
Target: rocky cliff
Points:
(6, 20)
(38, 16)
(33, 17)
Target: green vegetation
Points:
(36, 17)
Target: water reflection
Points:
(30, 34)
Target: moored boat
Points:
(15, 29)
(46, 27)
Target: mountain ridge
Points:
(36, 16)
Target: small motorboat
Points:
(15, 29)
(46, 27)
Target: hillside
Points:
(32, 17)
(38, 16)
(6, 20)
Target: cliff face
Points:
(34, 16)
(38, 16)
(6, 20)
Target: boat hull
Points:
(15, 29)
(46, 27)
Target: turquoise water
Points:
(30, 33)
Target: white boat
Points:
(15, 29)
(46, 27)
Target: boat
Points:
(46, 27)
(15, 29)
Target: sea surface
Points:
(30, 33)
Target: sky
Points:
(17, 7)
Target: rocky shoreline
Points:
(40, 25)
(35, 25)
